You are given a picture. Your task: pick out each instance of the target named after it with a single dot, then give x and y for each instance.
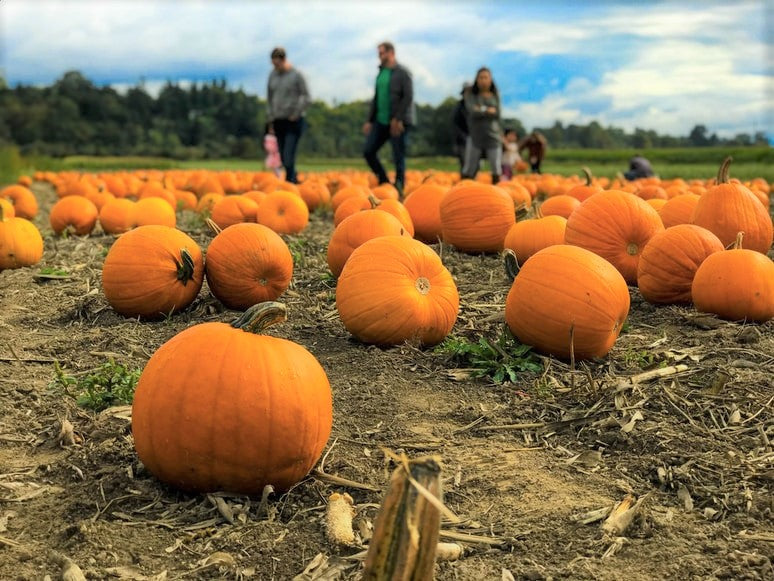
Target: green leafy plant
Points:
(109, 384)
(501, 360)
(53, 271)
(297, 247)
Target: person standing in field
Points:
(535, 144)
(639, 167)
(288, 99)
(390, 116)
(482, 104)
(460, 122)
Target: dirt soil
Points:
(524, 463)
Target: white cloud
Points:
(688, 61)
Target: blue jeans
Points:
(377, 137)
(288, 133)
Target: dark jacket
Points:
(401, 97)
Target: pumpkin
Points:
(616, 225)
(207, 202)
(233, 210)
(20, 242)
(395, 289)
(152, 271)
(582, 192)
(357, 229)
(153, 211)
(728, 208)
(25, 204)
(562, 205)
(476, 217)
(315, 194)
(526, 237)
(117, 216)
(735, 284)
(669, 261)
(678, 210)
(76, 214)
(6, 207)
(248, 264)
(424, 206)
(223, 408)
(284, 212)
(567, 301)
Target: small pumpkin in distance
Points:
(223, 407)
(76, 214)
(20, 242)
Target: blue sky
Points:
(665, 66)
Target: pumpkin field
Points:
(215, 374)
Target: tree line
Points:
(74, 116)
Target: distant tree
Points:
(698, 136)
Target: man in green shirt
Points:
(390, 116)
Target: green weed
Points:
(108, 385)
(500, 360)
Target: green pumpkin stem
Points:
(587, 172)
(185, 266)
(374, 201)
(723, 171)
(261, 316)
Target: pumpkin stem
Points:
(185, 266)
(521, 211)
(2, 214)
(512, 266)
(374, 201)
(587, 172)
(213, 226)
(261, 316)
(723, 171)
(738, 241)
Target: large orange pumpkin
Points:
(567, 300)
(248, 264)
(395, 289)
(220, 408)
(476, 217)
(152, 271)
(616, 225)
(728, 208)
(735, 284)
(20, 242)
(669, 261)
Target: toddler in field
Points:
(271, 147)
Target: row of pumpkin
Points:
(271, 406)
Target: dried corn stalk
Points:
(405, 538)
